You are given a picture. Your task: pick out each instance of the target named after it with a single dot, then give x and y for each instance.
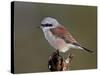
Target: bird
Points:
(59, 37)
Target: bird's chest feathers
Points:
(49, 36)
(55, 41)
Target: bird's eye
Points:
(46, 25)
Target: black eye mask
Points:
(46, 25)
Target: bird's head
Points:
(49, 22)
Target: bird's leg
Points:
(57, 52)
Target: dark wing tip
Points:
(90, 51)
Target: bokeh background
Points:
(32, 50)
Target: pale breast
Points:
(56, 42)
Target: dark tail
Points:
(87, 50)
(76, 44)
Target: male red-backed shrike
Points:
(58, 36)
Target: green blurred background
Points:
(32, 50)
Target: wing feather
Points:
(63, 33)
